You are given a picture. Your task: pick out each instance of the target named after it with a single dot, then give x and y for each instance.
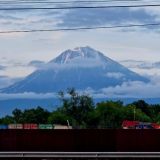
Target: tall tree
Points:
(17, 115)
(77, 107)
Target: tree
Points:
(7, 120)
(132, 113)
(143, 106)
(58, 117)
(110, 114)
(38, 115)
(77, 107)
(155, 113)
(17, 116)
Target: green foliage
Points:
(81, 112)
(143, 106)
(58, 117)
(132, 113)
(77, 107)
(17, 116)
(38, 115)
(110, 114)
(7, 120)
(155, 113)
(152, 111)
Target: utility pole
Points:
(68, 124)
(134, 113)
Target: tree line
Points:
(81, 112)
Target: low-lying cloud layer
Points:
(27, 95)
(132, 89)
(37, 64)
(141, 64)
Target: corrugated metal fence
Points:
(80, 140)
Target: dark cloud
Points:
(2, 16)
(156, 65)
(2, 67)
(36, 64)
(75, 18)
(97, 17)
(29, 18)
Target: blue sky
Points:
(18, 50)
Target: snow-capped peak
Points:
(76, 53)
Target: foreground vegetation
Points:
(81, 112)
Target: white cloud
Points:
(27, 95)
(143, 67)
(132, 89)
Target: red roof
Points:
(155, 125)
(127, 123)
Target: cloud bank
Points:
(100, 17)
(141, 64)
(132, 89)
(36, 63)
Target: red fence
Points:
(80, 140)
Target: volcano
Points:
(80, 68)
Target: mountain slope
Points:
(80, 68)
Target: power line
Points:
(81, 28)
(81, 7)
(67, 1)
(70, 1)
